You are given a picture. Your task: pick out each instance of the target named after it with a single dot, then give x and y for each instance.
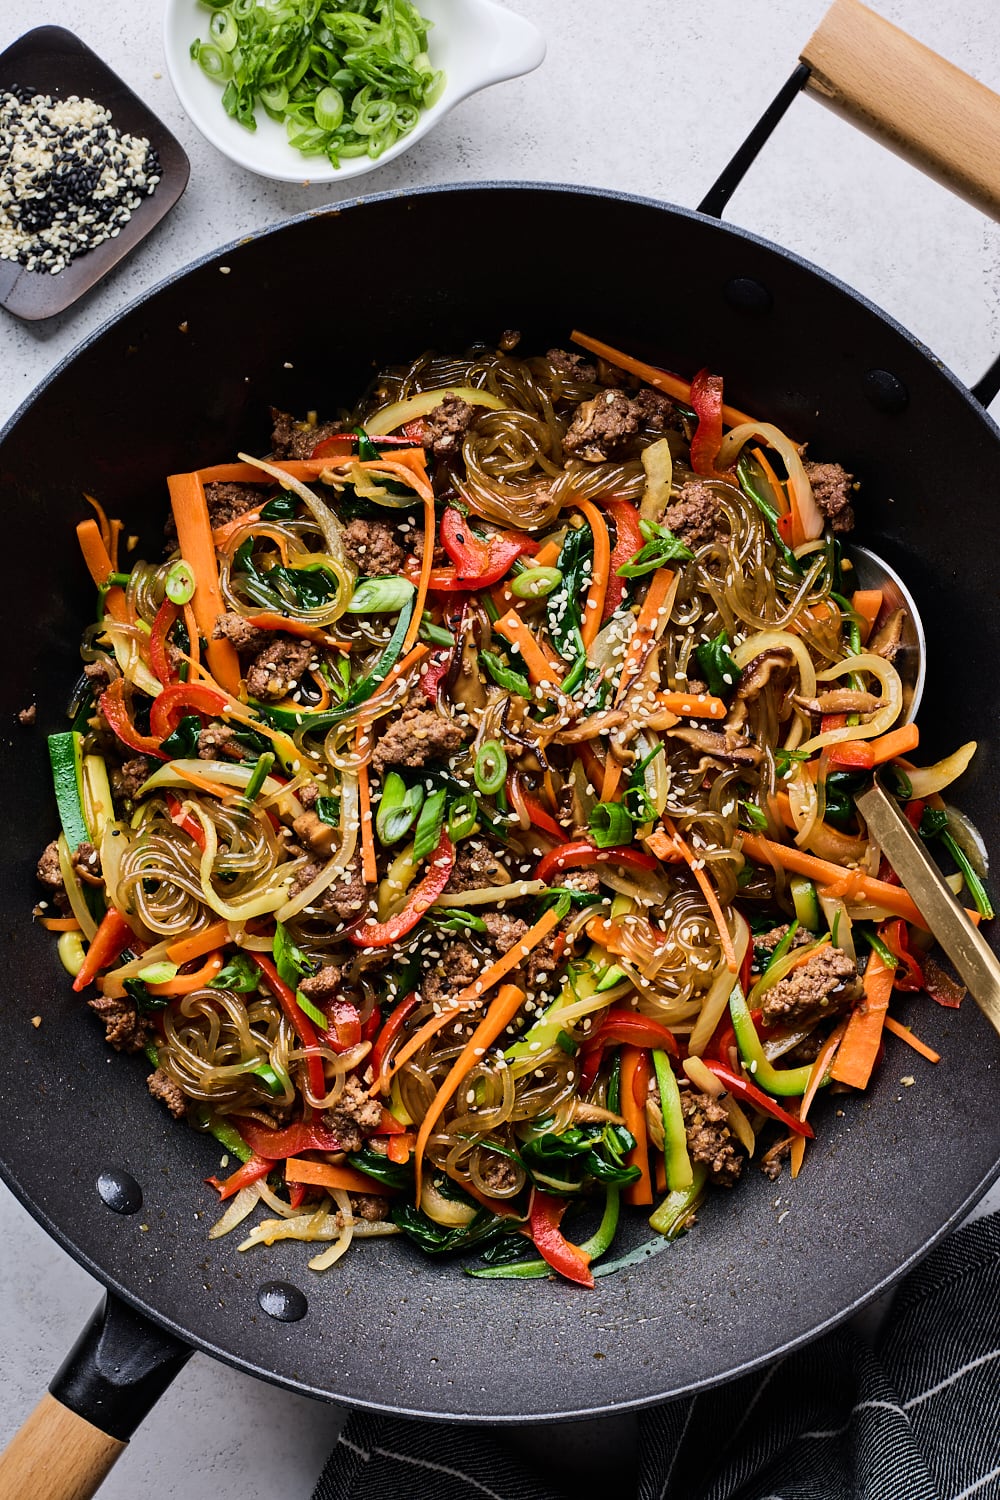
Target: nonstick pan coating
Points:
(304, 317)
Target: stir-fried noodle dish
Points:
(461, 816)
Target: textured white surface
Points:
(645, 95)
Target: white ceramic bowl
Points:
(476, 42)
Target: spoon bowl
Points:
(873, 572)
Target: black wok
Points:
(184, 377)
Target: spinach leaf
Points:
(137, 990)
(579, 1155)
(239, 974)
(717, 665)
(439, 1239)
(564, 606)
(282, 508)
(662, 547)
(289, 960)
(327, 809)
(183, 743)
(379, 1167)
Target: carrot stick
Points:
(594, 607)
(194, 538)
(472, 995)
(99, 566)
(104, 525)
(663, 380)
(851, 883)
(200, 943)
(326, 1174)
(692, 705)
(369, 868)
(403, 666)
(502, 1010)
(194, 642)
(906, 1035)
(634, 1115)
(184, 984)
(819, 1069)
(202, 782)
(645, 628)
(897, 742)
(709, 893)
(60, 924)
(221, 534)
(780, 493)
(538, 660)
(867, 603)
(405, 464)
(426, 564)
(859, 1047)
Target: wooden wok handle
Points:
(57, 1456)
(116, 1372)
(921, 106)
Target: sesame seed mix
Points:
(68, 179)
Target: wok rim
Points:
(578, 1413)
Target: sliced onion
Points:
(703, 1078)
(658, 463)
(242, 1206)
(125, 641)
(487, 895)
(739, 1124)
(400, 412)
(810, 514)
(881, 720)
(74, 890)
(349, 824)
(803, 799)
(227, 773)
(342, 1243)
(838, 921)
(779, 640)
(969, 840)
(926, 780)
(717, 999)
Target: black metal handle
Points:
(118, 1369)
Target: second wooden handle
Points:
(897, 89)
(56, 1456)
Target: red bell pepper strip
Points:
(580, 855)
(369, 1030)
(435, 672)
(503, 549)
(390, 1031)
(251, 1171)
(169, 708)
(540, 819)
(297, 1194)
(276, 1145)
(470, 553)
(344, 1031)
(908, 975)
(381, 934)
(115, 710)
(338, 445)
(544, 1218)
(619, 1025)
(706, 399)
(301, 1024)
(389, 1125)
(184, 820)
(159, 657)
(628, 541)
(742, 1088)
(110, 939)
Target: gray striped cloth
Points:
(914, 1417)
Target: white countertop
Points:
(645, 95)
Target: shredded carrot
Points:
(839, 847)
(104, 525)
(502, 1010)
(100, 567)
(473, 994)
(780, 493)
(859, 1047)
(408, 464)
(222, 534)
(200, 943)
(203, 784)
(539, 661)
(709, 893)
(116, 533)
(60, 924)
(300, 628)
(411, 659)
(369, 868)
(663, 380)
(820, 1068)
(194, 637)
(194, 538)
(906, 1035)
(184, 984)
(852, 884)
(867, 603)
(897, 742)
(399, 1148)
(324, 692)
(426, 565)
(594, 607)
(635, 1062)
(326, 1174)
(642, 636)
(692, 705)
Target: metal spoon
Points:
(968, 950)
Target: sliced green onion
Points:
(505, 676)
(72, 952)
(329, 108)
(436, 635)
(491, 768)
(429, 825)
(380, 596)
(269, 1077)
(455, 919)
(312, 1011)
(159, 973)
(535, 583)
(462, 817)
(398, 808)
(223, 30)
(261, 771)
(876, 944)
(215, 63)
(611, 825)
(179, 582)
(274, 99)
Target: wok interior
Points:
(303, 320)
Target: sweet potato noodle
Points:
(461, 816)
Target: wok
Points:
(184, 377)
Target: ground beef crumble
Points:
(323, 985)
(475, 867)
(709, 1138)
(416, 737)
(458, 966)
(572, 366)
(346, 898)
(236, 628)
(162, 1086)
(276, 672)
(604, 425)
(825, 986)
(504, 931)
(125, 1029)
(372, 548)
(217, 740)
(832, 489)
(292, 439)
(227, 501)
(695, 516)
(354, 1116)
(446, 426)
